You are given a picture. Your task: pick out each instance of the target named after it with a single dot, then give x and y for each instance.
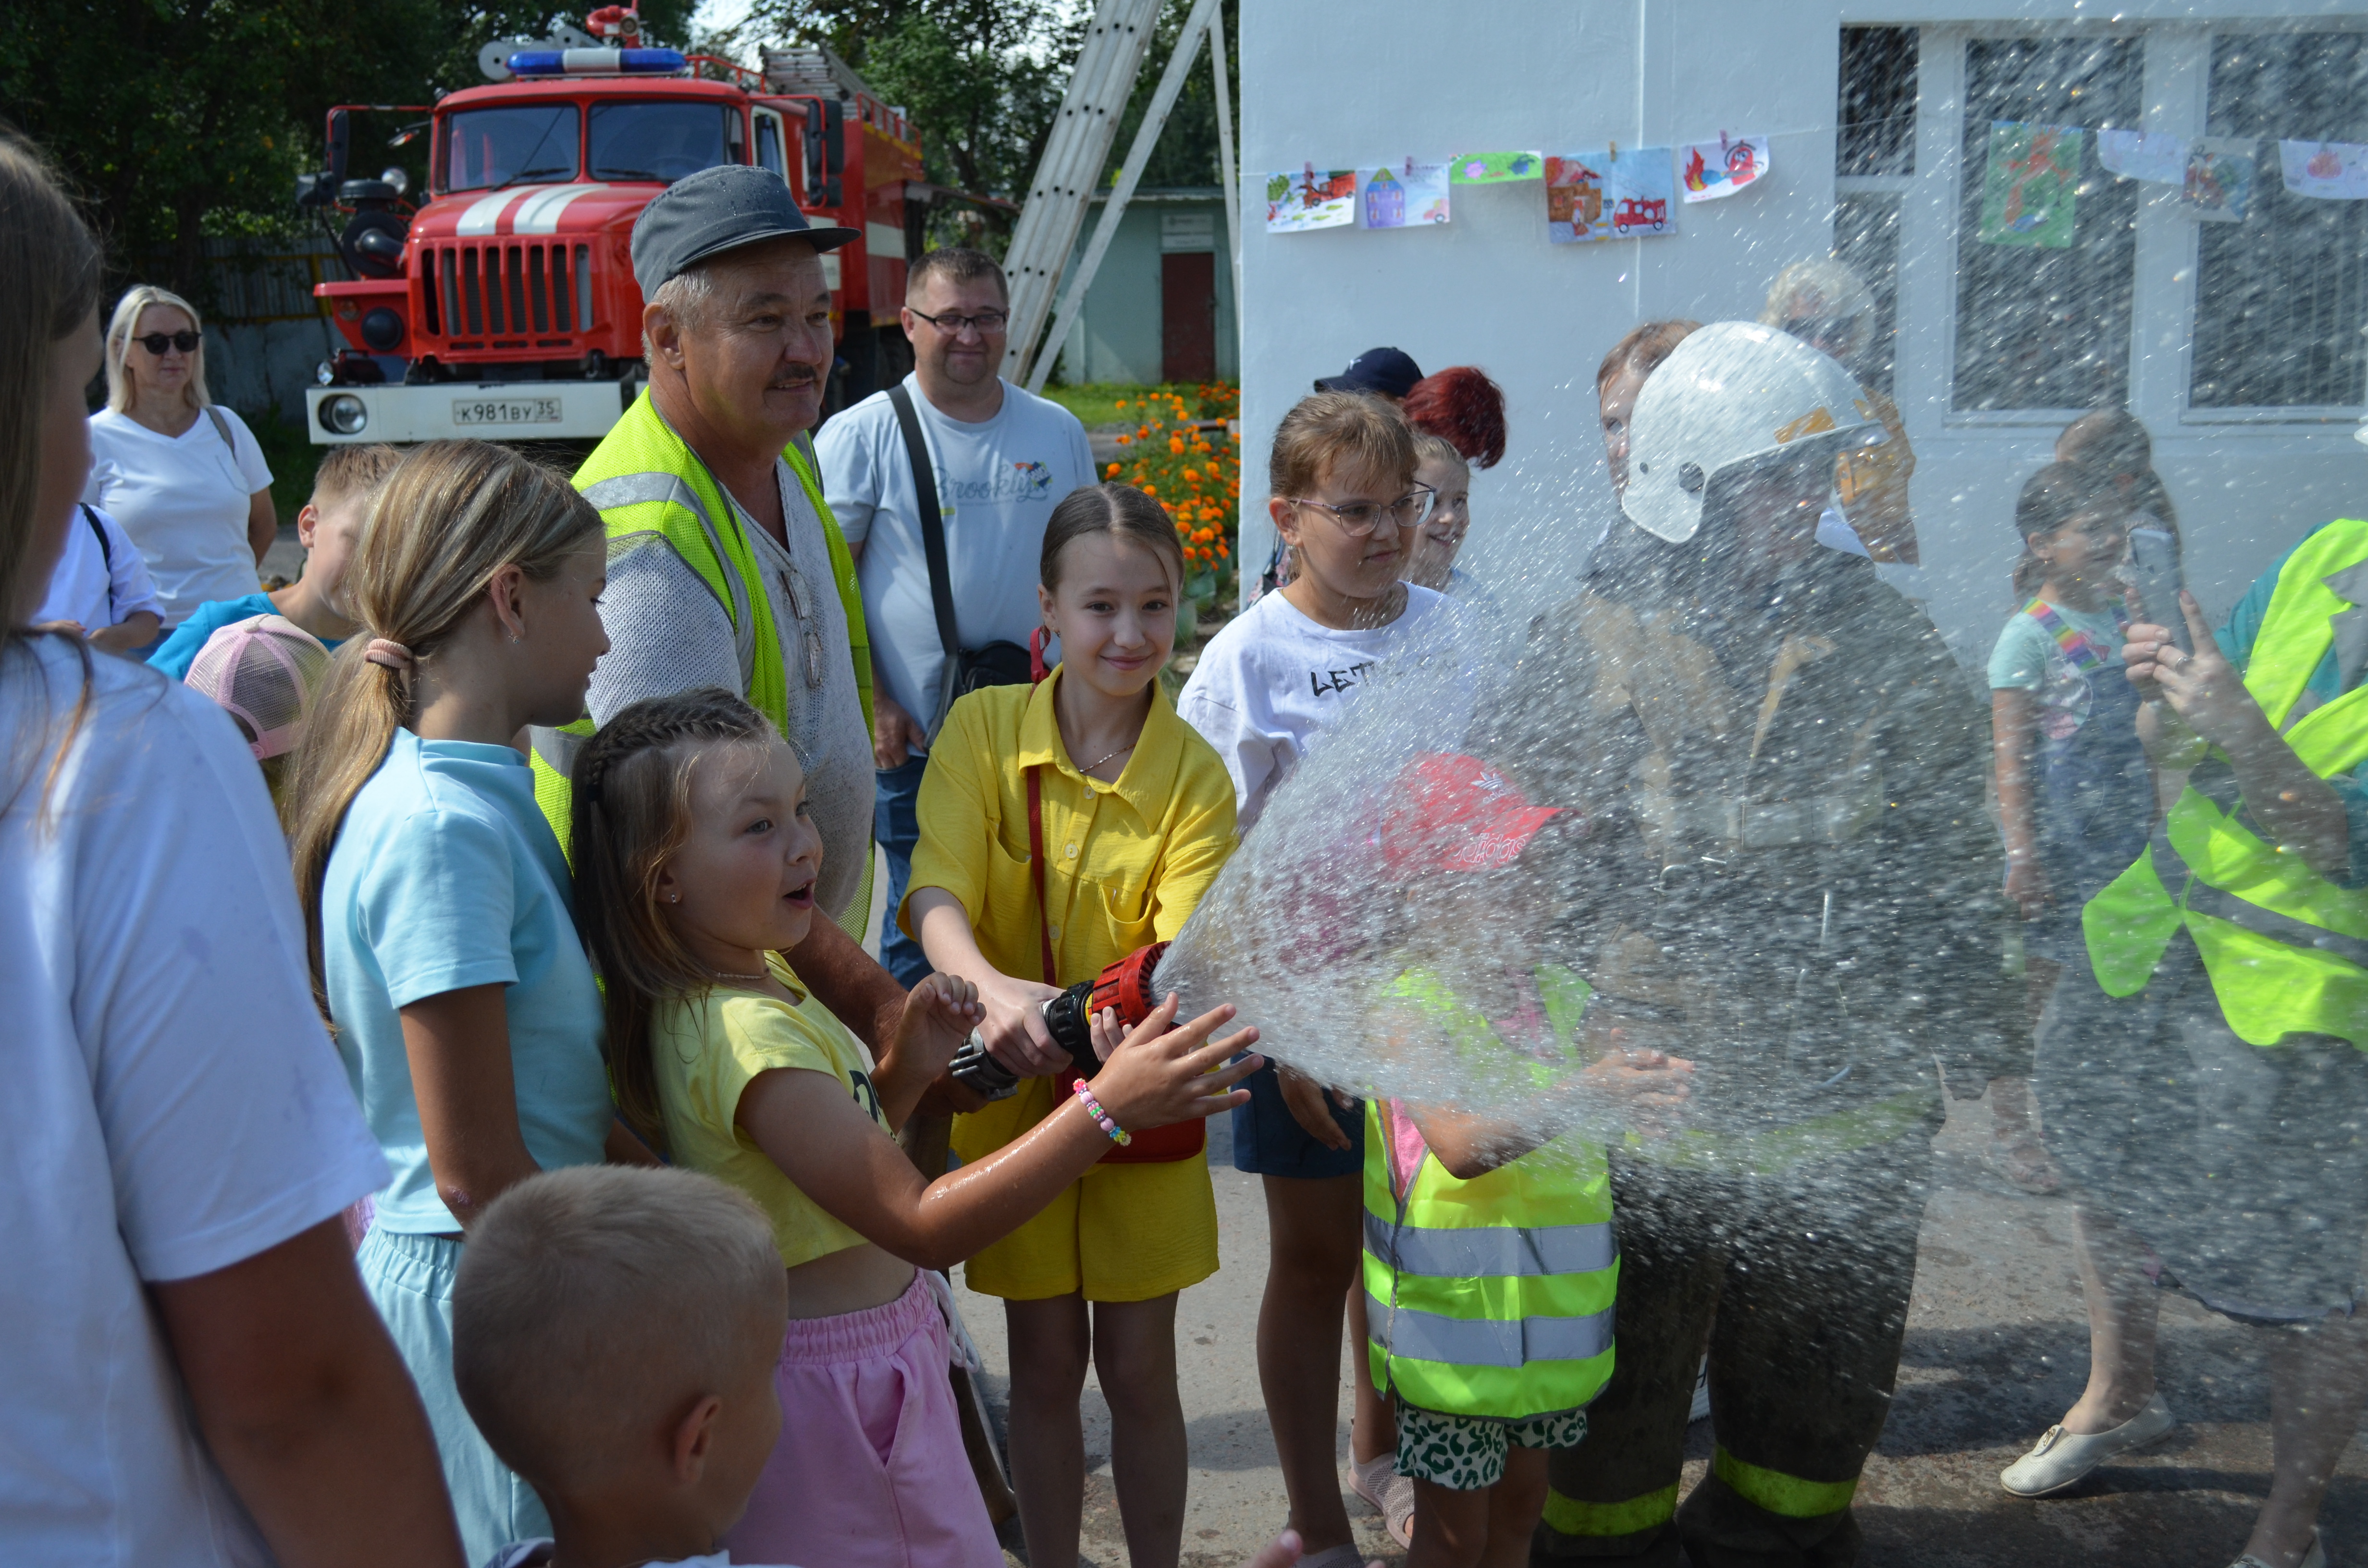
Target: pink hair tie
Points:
(393, 654)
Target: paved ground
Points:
(1996, 1350)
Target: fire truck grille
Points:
(513, 291)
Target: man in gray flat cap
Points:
(725, 568)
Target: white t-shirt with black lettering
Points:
(1273, 678)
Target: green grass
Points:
(1096, 402)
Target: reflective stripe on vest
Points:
(668, 489)
(1632, 1516)
(1486, 1342)
(1472, 1254)
(2286, 950)
(1789, 1496)
(1491, 1297)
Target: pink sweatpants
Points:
(869, 1472)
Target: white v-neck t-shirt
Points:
(184, 500)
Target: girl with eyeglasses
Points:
(184, 477)
(1345, 500)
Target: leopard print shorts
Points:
(1466, 1453)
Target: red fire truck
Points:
(505, 306)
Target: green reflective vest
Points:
(648, 484)
(2286, 948)
(1491, 1297)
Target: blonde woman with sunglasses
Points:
(184, 477)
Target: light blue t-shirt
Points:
(446, 876)
(181, 649)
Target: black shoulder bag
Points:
(967, 669)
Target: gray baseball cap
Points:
(715, 211)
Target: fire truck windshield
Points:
(486, 147)
(657, 140)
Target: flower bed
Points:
(1183, 454)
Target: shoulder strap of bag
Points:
(105, 554)
(1036, 826)
(933, 529)
(221, 428)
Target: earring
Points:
(674, 898)
(514, 637)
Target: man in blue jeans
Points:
(1000, 458)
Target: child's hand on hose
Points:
(938, 1014)
(1310, 1104)
(1163, 1072)
(1649, 1088)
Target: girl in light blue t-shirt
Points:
(444, 944)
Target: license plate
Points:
(506, 410)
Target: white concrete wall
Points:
(1398, 79)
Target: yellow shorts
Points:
(1118, 1233)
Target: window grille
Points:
(2281, 298)
(2048, 329)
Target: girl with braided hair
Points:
(696, 862)
(443, 941)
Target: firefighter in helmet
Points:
(1787, 876)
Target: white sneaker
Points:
(1700, 1410)
(2315, 1558)
(2061, 1458)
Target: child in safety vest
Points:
(1490, 1263)
(2074, 795)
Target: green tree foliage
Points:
(188, 120)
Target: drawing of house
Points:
(1384, 201)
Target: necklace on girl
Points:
(727, 974)
(1099, 760)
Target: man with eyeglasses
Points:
(996, 460)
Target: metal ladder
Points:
(1074, 154)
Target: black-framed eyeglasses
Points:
(157, 342)
(953, 324)
(1358, 518)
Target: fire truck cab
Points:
(505, 306)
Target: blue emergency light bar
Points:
(595, 61)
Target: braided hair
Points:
(631, 814)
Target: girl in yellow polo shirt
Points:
(1134, 812)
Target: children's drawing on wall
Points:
(1406, 196)
(2156, 155)
(2029, 190)
(1639, 190)
(1576, 209)
(1717, 169)
(1313, 198)
(1496, 169)
(2220, 176)
(2333, 171)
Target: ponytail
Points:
(452, 515)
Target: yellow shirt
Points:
(1125, 864)
(706, 1051)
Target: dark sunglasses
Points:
(157, 342)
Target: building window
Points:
(2280, 297)
(1877, 114)
(2048, 328)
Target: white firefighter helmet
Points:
(1730, 397)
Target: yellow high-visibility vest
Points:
(2286, 948)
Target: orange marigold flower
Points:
(1192, 474)
(1113, 472)
(1221, 547)
(1176, 445)
(1152, 491)
(1123, 440)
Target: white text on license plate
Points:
(506, 410)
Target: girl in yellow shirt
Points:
(696, 861)
(1135, 814)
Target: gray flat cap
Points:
(715, 211)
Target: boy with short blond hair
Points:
(328, 528)
(616, 1329)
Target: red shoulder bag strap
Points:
(1036, 826)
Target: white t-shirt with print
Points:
(1273, 678)
(997, 483)
(174, 1106)
(184, 499)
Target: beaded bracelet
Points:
(1101, 1117)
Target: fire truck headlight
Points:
(344, 414)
